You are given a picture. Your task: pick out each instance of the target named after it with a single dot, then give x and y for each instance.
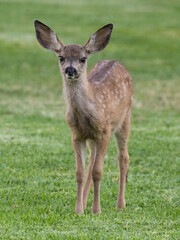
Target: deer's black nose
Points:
(71, 71)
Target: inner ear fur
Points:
(99, 40)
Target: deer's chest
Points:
(82, 124)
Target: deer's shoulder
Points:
(104, 69)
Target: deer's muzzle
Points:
(70, 71)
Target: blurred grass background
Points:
(37, 167)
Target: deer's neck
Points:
(79, 96)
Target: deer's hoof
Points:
(96, 210)
(84, 205)
(121, 205)
(79, 211)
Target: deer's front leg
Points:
(87, 188)
(101, 147)
(79, 150)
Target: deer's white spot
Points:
(98, 99)
(126, 74)
(107, 117)
(104, 91)
(121, 94)
(117, 101)
(104, 106)
(124, 88)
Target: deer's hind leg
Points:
(92, 155)
(121, 137)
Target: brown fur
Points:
(98, 104)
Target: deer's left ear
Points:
(99, 39)
(47, 37)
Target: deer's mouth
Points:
(72, 78)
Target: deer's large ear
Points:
(47, 37)
(99, 39)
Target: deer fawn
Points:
(98, 104)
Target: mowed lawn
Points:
(37, 166)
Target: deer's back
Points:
(101, 71)
(112, 87)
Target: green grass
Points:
(37, 166)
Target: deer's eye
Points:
(61, 59)
(82, 60)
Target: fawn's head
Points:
(73, 57)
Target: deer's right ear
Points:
(99, 39)
(47, 37)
